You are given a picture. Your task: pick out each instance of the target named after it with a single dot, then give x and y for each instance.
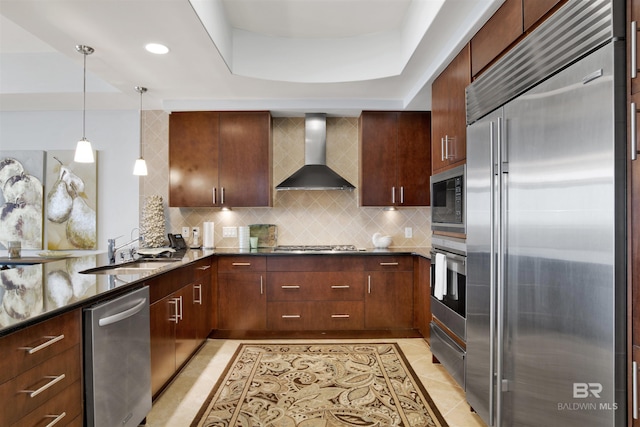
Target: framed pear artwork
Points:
(70, 202)
(21, 201)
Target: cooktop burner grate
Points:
(315, 248)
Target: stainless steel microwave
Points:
(448, 191)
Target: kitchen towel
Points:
(207, 235)
(440, 287)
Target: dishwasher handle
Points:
(115, 318)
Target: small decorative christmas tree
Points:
(152, 224)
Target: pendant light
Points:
(140, 167)
(84, 152)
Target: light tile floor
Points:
(180, 402)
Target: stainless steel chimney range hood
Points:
(315, 174)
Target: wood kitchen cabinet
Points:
(534, 11)
(220, 159)
(395, 158)
(633, 224)
(45, 358)
(389, 294)
(497, 34)
(242, 293)
(179, 316)
(448, 114)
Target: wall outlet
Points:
(185, 232)
(229, 231)
(408, 232)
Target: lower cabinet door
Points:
(163, 342)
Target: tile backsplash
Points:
(302, 217)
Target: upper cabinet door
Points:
(193, 158)
(448, 116)
(414, 158)
(500, 31)
(245, 169)
(378, 136)
(535, 10)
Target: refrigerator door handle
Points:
(500, 267)
(492, 273)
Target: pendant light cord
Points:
(84, 93)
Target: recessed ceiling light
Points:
(157, 48)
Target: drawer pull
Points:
(204, 267)
(57, 418)
(54, 380)
(388, 263)
(241, 264)
(290, 316)
(290, 286)
(52, 340)
(198, 300)
(340, 286)
(340, 316)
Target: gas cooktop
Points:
(315, 248)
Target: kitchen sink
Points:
(135, 267)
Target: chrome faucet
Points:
(112, 249)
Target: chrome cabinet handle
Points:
(204, 267)
(180, 305)
(442, 149)
(393, 195)
(340, 286)
(634, 47)
(52, 340)
(174, 318)
(199, 299)
(369, 283)
(56, 420)
(213, 190)
(446, 147)
(241, 264)
(222, 195)
(388, 263)
(261, 286)
(290, 316)
(633, 115)
(54, 380)
(402, 195)
(340, 316)
(635, 389)
(290, 286)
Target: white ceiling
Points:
(287, 56)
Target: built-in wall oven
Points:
(448, 303)
(448, 190)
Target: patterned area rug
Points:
(319, 385)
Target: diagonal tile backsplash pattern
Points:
(302, 217)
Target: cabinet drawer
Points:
(36, 386)
(311, 316)
(65, 409)
(315, 286)
(339, 315)
(201, 267)
(389, 263)
(241, 263)
(26, 348)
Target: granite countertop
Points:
(30, 293)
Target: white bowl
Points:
(381, 242)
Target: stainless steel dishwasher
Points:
(117, 368)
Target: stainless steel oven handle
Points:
(450, 256)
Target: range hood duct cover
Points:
(315, 174)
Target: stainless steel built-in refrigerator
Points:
(546, 226)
